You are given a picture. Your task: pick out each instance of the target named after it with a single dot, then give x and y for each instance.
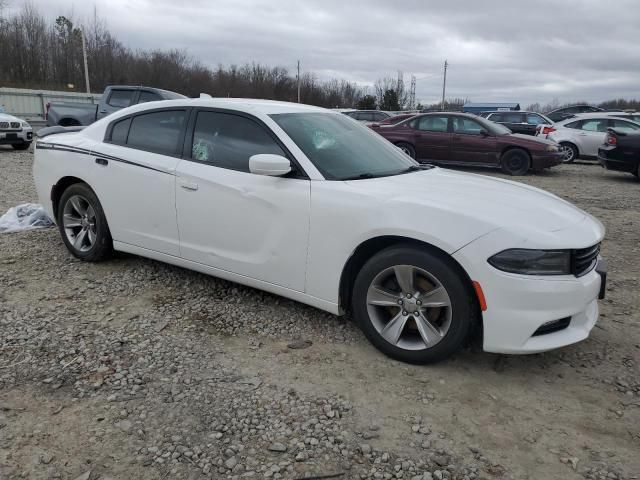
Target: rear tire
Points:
(570, 152)
(21, 146)
(83, 225)
(413, 305)
(515, 162)
(407, 148)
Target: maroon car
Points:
(465, 139)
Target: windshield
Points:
(342, 149)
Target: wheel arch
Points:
(58, 189)
(510, 148)
(571, 142)
(370, 247)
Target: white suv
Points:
(15, 132)
(580, 136)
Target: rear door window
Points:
(596, 125)
(534, 119)
(148, 97)
(157, 132)
(512, 118)
(120, 98)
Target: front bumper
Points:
(546, 160)
(520, 308)
(10, 137)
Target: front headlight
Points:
(25, 125)
(552, 148)
(533, 262)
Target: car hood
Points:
(5, 117)
(529, 140)
(495, 202)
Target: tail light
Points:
(547, 130)
(46, 113)
(611, 139)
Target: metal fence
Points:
(31, 105)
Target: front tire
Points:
(515, 162)
(83, 225)
(407, 148)
(413, 305)
(21, 146)
(570, 152)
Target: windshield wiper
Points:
(361, 176)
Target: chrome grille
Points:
(4, 124)
(15, 124)
(584, 260)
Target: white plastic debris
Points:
(24, 217)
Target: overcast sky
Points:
(500, 50)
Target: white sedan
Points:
(308, 204)
(582, 135)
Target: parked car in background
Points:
(621, 151)
(369, 116)
(15, 132)
(582, 135)
(466, 139)
(566, 112)
(393, 120)
(114, 98)
(322, 210)
(633, 116)
(518, 122)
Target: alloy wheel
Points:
(409, 307)
(79, 223)
(568, 153)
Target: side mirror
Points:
(269, 164)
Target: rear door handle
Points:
(102, 161)
(102, 111)
(189, 186)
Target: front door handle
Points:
(189, 186)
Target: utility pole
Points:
(444, 83)
(86, 65)
(412, 93)
(298, 81)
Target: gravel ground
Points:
(131, 369)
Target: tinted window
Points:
(466, 126)
(533, 119)
(120, 130)
(512, 118)
(148, 97)
(496, 117)
(378, 117)
(120, 98)
(228, 141)
(623, 125)
(594, 125)
(573, 124)
(432, 123)
(157, 131)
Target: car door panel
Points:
(468, 146)
(432, 137)
(234, 220)
(137, 192)
(248, 224)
